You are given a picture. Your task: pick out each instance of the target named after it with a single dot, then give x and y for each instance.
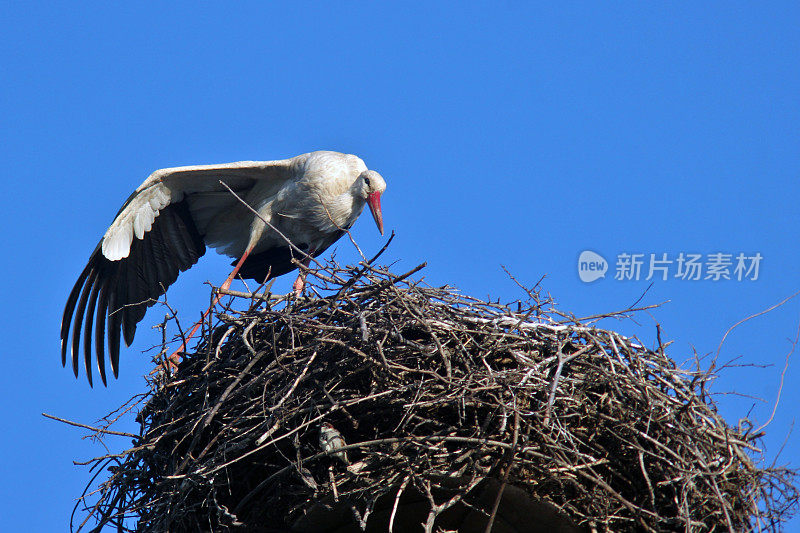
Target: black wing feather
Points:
(177, 232)
(102, 309)
(87, 328)
(160, 271)
(121, 291)
(69, 309)
(116, 316)
(76, 327)
(135, 291)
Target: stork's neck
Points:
(344, 209)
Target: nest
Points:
(457, 414)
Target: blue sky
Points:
(509, 133)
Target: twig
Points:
(97, 430)
(742, 321)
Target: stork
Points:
(165, 225)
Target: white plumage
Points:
(166, 224)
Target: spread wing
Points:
(162, 230)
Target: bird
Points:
(330, 440)
(304, 204)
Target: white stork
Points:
(166, 224)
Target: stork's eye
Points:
(366, 181)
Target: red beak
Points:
(374, 201)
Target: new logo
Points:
(591, 266)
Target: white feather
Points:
(140, 222)
(136, 219)
(117, 244)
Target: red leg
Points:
(300, 282)
(175, 358)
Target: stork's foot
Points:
(300, 282)
(170, 365)
(173, 361)
(298, 286)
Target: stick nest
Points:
(435, 394)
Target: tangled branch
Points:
(436, 394)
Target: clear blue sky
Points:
(509, 133)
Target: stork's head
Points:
(370, 186)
